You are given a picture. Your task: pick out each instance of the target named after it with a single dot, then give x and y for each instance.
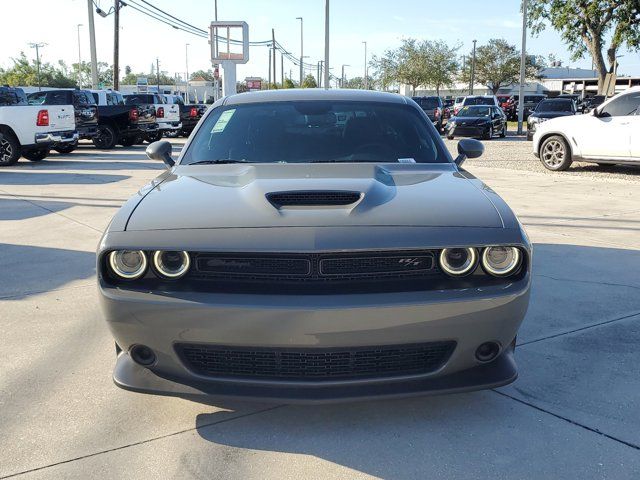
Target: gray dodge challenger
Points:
(314, 246)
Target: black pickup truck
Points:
(12, 96)
(189, 114)
(84, 107)
(120, 123)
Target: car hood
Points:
(552, 114)
(236, 196)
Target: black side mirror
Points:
(468, 148)
(161, 150)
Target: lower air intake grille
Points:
(312, 198)
(315, 363)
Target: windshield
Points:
(474, 112)
(316, 131)
(479, 101)
(555, 106)
(532, 99)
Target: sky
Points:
(382, 24)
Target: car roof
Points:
(301, 94)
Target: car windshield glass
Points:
(474, 112)
(137, 99)
(316, 131)
(427, 103)
(555, 106)
(478, 101)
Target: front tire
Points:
(106, 138)
(66, 148)
(154, 137)
(555, 154)
(503, 133)
(9, 149)
(488, 135)
(36, 155)
(127, 141)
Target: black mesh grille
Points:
(316, 364)
(312, 198)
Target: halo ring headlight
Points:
(171, 264)
(458, 262)
(501, 261)
(128, 264)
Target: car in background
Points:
(10, 96)
(167, 115)
(120, 123)
(84, 107)
(480, 121)
(487, 100)
(577, 99)
(548, 109)
(589, 103)
(190, 114)
(457, 104)
(531, 101)
(434, 108)
(607, 136)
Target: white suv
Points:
(608, 135)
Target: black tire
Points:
(154, 137)
(66, 147)
(488, 135)
(9, 149)
(449, 137)
(127, 141)
(555, 154)
(503, 133)
(139, 139)
(106, 138)
(36, 155)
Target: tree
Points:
(411, 65)
(206, 74)
(152, 79)
(498, 65)
(358, 83)
(288, 83)
(24, 73)
(309, 82)
(586, 24)
(105, 73)
(441, 64)
(384, 69)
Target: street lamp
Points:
(366, 80)
(342, 76)
(79, 56)
(38, 46)
(523, 60)
(186, 64)
(473, 69)
(301, 49)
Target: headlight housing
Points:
(171, 264)
(501, 261)
(458, 262)
(128, 264)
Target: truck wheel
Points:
(36, 155)
(9, 149)
(66, 147)
(127, 141)
(106, 138)
(154, 137)
(555, 154)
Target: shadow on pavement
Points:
(19, 209)
(31, 177)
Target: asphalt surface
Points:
(573, 413)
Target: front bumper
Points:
(467, 130)
(69, 136)
(163, 319)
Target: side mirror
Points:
(468, 148)
(161, 150)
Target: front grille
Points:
(315, 363)
(311, 198)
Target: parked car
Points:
(606, 136)
(457, 104)
(120, 123)
(481, 121)
(31, 131)
(590, 103)
(577, 99)
(167, 115)
(284, 258)
(12, 96)
(530, 103)
(434, 108)
(480, 100)
(190, 114)
(548, 109)
(84, 107)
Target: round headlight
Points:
(458, 261)
(171, 264)
(129, 264)
(501, 261)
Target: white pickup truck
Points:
(167, 115)
(31, 130)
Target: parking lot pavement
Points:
(571, 414)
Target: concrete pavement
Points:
(571, 414)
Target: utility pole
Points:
(215, 66)
(342, 77)
(269, 81)
(186, 65)
(158, 73)
(366, 80)
(326, 45)
(473, 69)
(523, 59)
(320, 73)
(116, 45)
(282, 53)
(301, 50)
(37, 46)
(79, 56)
(92, 42)
(273, 42)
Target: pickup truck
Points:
(189, 114)
(32, 130)
(84, 107)
(12, 96)
(121, 123)
(167, 115)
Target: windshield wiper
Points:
(219, 161)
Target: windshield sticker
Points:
(221, 123)
(406, 160)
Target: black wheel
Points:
(127, 141)
(139, 140)
(154, 137)
(106, 138)
(488, 135)
(9, 149)
(449, 137)
(555, 154)
(503, 133)
(66, 147)
(36, 155)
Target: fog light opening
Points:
(142, 355)
(487, 351)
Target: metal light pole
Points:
(326, 45)
(186, 66)
(92, 42)
(37, 46)
(301, 49)
(473, 69)
(342, 76)
(79, 56)
(366, 80)
(523, 59)
(116, 45)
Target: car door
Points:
(607, 133)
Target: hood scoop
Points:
(313, 198)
